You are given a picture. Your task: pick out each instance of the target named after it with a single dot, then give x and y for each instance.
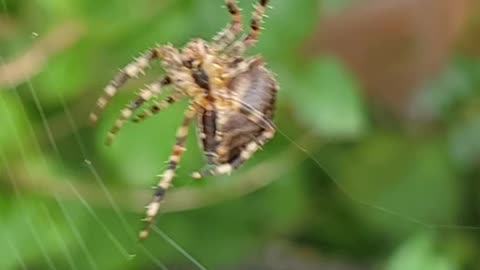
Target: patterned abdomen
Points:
(257, 89)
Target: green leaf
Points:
(328, 100)
(419, 253)
(464, 142)
(395, 184)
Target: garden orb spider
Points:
(231, 97)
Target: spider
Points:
(232, 98)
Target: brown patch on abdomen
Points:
(256, 88)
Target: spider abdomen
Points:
(254, 90)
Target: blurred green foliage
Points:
(372, 191)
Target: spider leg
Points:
(183, 84)
(159, 106)
(244, 155)
(152, 90)
(231, 32)
(168, 175)
(251, 39)
(132, 70)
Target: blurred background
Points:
(375, 166)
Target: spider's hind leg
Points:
(246, 153)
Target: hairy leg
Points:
(255, 28)
(246, 153)
(167, 177)
(159, 106)
(152, 90)
(132, 70)
(231, 32)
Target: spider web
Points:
(122, 248)
(128, 249)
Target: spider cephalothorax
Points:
(232, 99)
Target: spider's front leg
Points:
(159, 106)
(172, 61)
(182, 82)
(132, 70)
(169, 174)
(152, 90)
